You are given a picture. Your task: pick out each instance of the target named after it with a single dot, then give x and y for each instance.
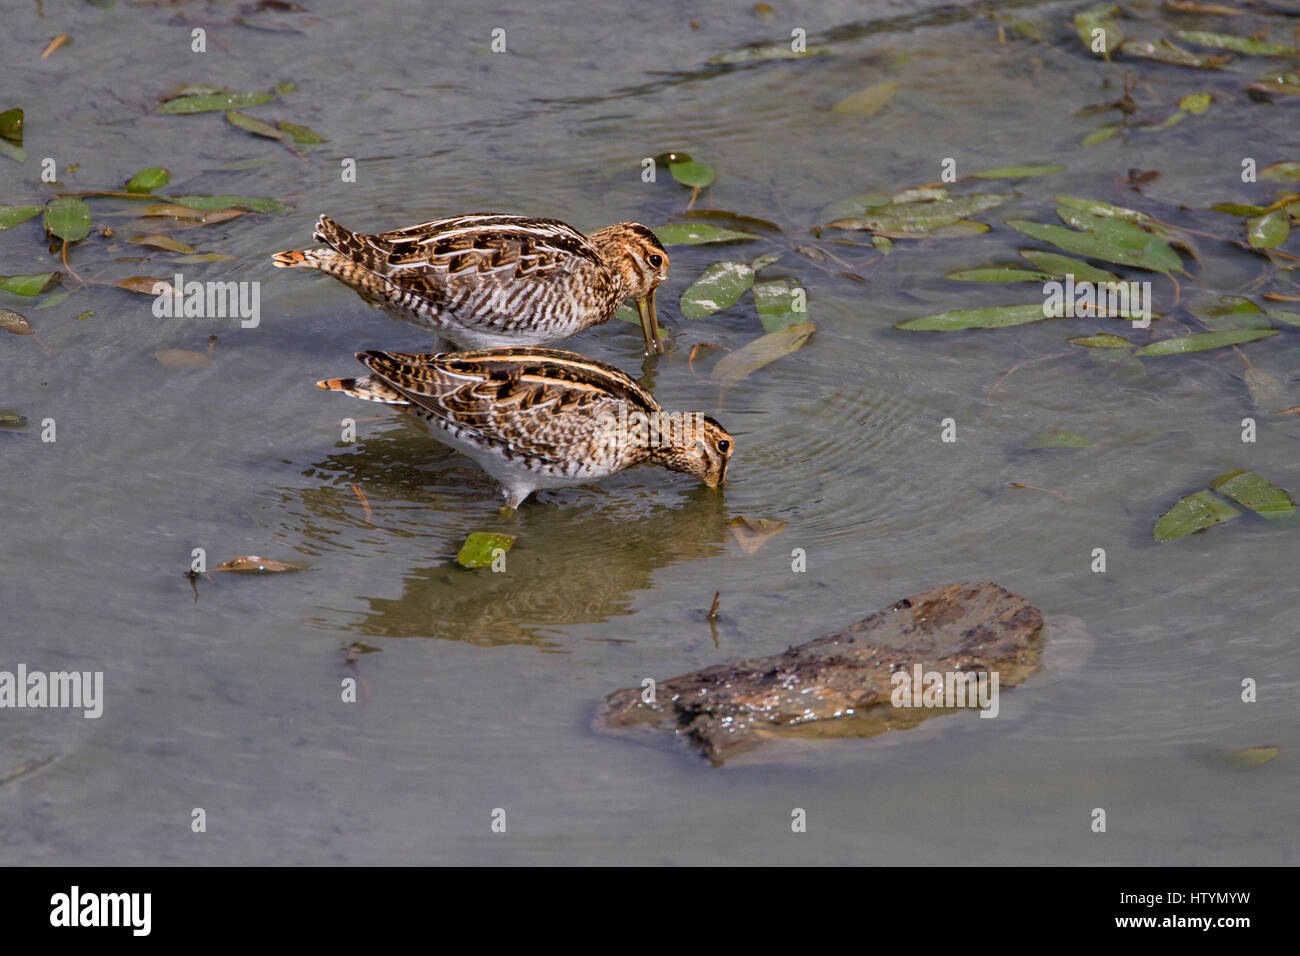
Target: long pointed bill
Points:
(650, 324)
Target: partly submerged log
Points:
(872, 676)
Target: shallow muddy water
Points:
(483, 687)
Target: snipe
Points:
(487, 280)
(542, 418)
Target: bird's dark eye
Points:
(724, 445)
(656, 261)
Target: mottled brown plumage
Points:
(541, 418)
(489, 280)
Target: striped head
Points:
(704, 454)
(634, 254)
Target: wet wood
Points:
(840, 684)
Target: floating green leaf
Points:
(227, 201)
(11, 216)
(1061, 266)
(1269, 230)
(1227, 41)
(252, 125)
(776, 302)
(719, 287)
(1258, 494)
(1153, 254)
(1103, 340)
(920, 217)
(993, 317)
(11, 126)
(1001, 274)
(480, 548)
(213, 102)
(1201, 341)
(1019, 172)
(1196, 103)
(698, 234)
(1196, 512)
(147, 180)
(27, 284)
(691, 173)
(1060, 439)
(763, 261)
(302, 135)
(1102, 210)
(762, 351)
(868, 101)
(67, 218)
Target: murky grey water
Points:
(485, 684)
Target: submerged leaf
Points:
(775, 304)
(1060, 439)
(1227, 41)
(1018, 172)
(758, 54)
(1251, 756)
(1201, 341)
(1196, 512)
(1100, 135)
(185, 358)
(480, 547)
(1287, 172)
(252, 564)
(868, 101)
(760, 352)
(1258, 494)
(160, 241)
(752, 532)
(719, 287)
(11, 321)
(1103, 340)
(1101, 17)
